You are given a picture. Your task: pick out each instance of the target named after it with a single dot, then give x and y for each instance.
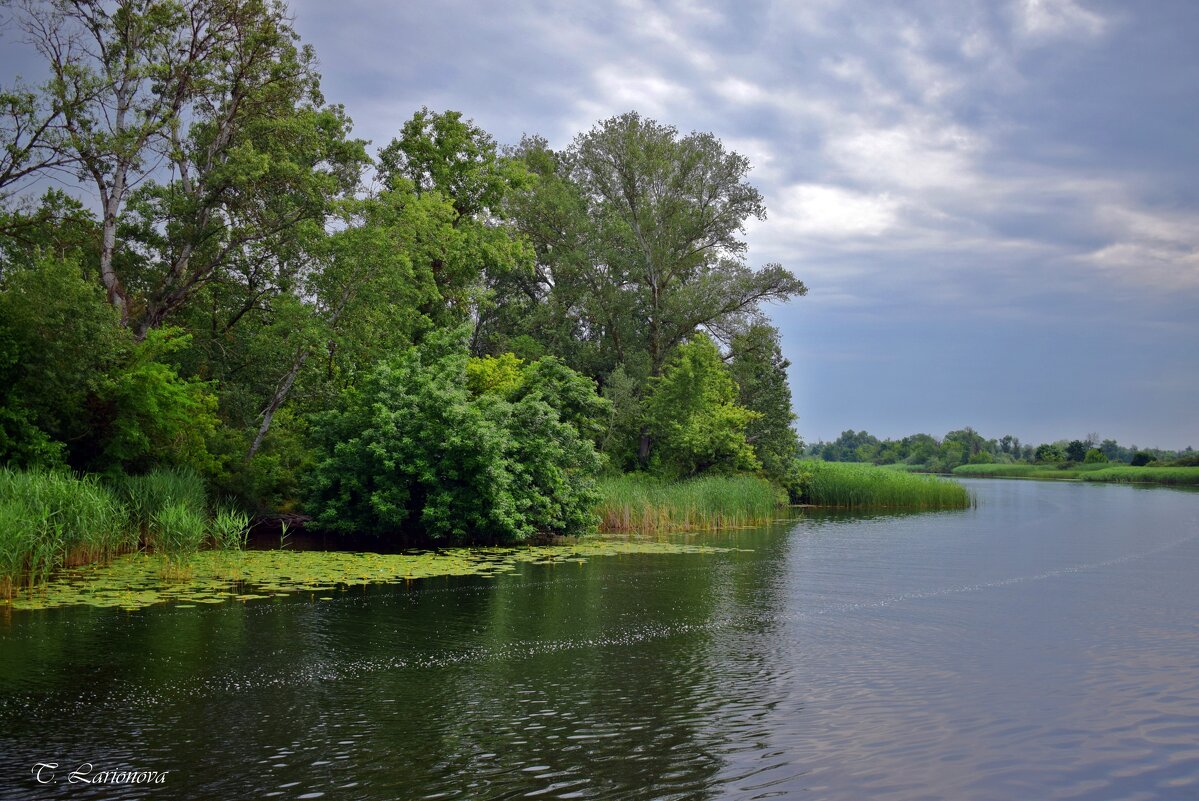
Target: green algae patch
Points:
(136, 581)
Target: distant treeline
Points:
(967, 446)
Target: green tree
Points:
(1076, 451)
(222, 94)
(1050, 454)
(693, 415)
(758, 367)
(1095, 456)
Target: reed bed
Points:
(1123, 474)
(644, 504)
(50, 520)
(847, 485)
(1185, 476)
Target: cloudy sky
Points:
(995, 205)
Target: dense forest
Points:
(202, 270)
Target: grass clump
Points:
(147, 495)
(49, 519)
(229, 529)
(637, 502)
(849, 485)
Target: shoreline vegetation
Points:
(53, 522)
(1103, 473)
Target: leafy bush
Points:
(413, 451)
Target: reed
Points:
(641, 503)
(147, 495)
(1185, 476)
(229, 529)
(1122, 474)
(862, 486)
(50, 519)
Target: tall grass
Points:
(146, 496)
(1154, 475)
(1043, 471)
(53, 519)
(641, 503)
(50, 519)
(1085, 472)
(849, 485)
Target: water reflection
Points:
(1042, 645)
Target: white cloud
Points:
(910, 156)
(833, 212)
(1052, 19)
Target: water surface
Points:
(1042, 646)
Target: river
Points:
(1044, 645)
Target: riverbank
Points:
(1107, 473)
(51, 521)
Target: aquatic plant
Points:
(137, 580)
(1123, 474)
(638, 502)
(851, 485)
(177, 530)
(1153, 475)
(148, 494)
(48, 519)
(229, 529)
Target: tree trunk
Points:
(276, 401)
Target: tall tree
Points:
(218, 94)
(669, 212)
(758, 367)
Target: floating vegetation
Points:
(135, 581)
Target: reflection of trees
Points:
(635, 676)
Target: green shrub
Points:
(414, 452)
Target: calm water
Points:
(1042, 646)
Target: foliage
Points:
(693, 416)
(414, 452)
(1141, 458)
(758, 367)
(149, 415)
(623, 434)
(1095, 456)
